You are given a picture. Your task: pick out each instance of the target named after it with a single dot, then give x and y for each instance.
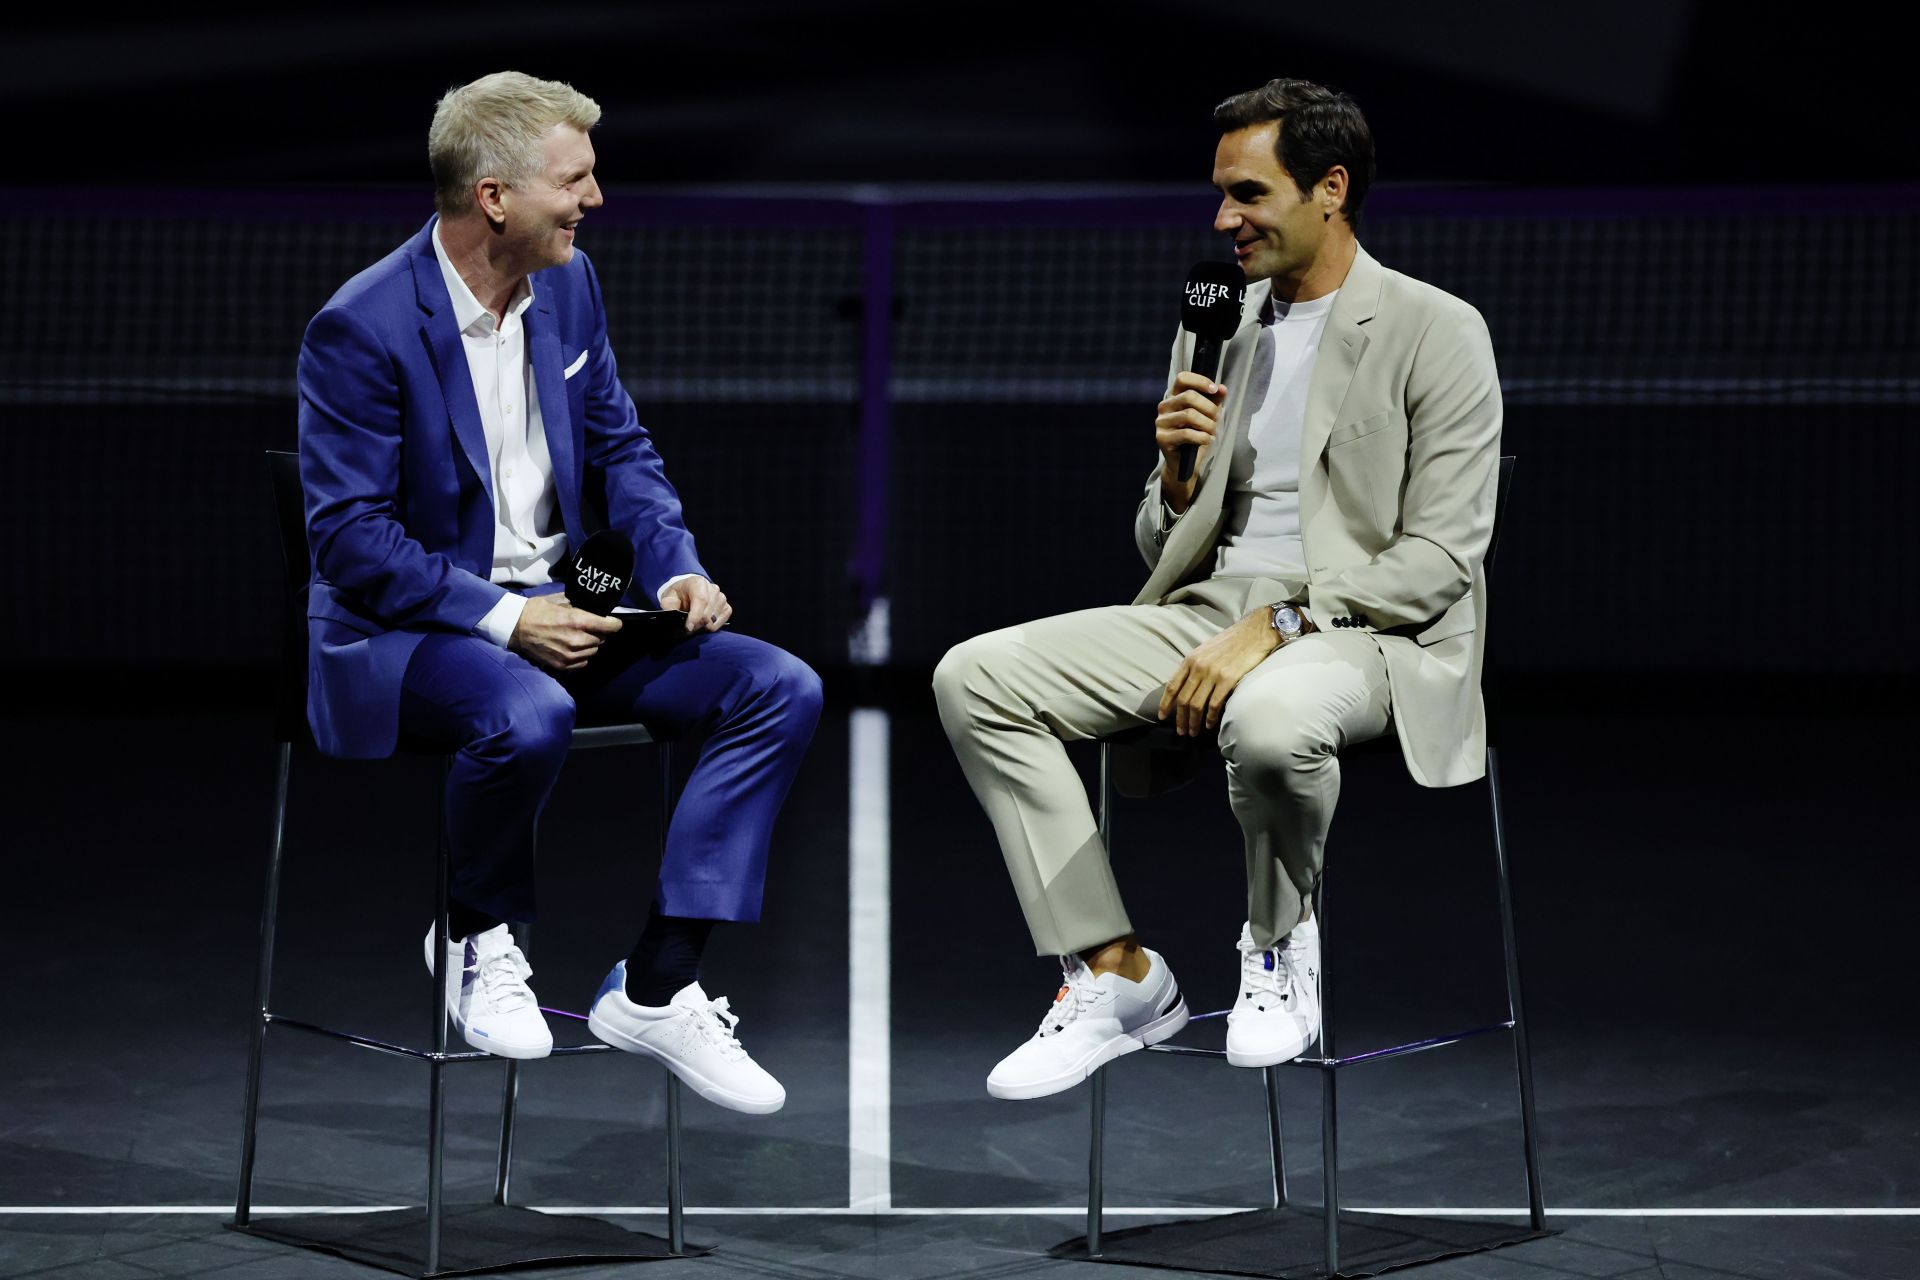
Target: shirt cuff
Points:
(662, 588)
(1168, 518)
(499, 622)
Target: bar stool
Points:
(1329, 1061)
(290, 718)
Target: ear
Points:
(490, 194)
(1332, 192)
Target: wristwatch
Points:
(1289, 622)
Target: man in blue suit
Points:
(461, 416)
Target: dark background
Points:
(1687, 225)
(1632, 92)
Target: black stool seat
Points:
(586, 737)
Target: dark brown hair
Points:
(1319, 128)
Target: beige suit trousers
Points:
(1010, 700)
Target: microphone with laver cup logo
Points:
(600, 573)
(1210, 311)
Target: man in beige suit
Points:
(1316, 583)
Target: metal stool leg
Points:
(503, 1163)
(436, 1065)
(509, 1102)
(1275, 1151)
(1097, 1163)
(1522, 1055)
(1097, 1137)
(262, 990)
(1329, 1092)
(676, 1204)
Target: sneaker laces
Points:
(503, 978)
(1261, 969)
(1080, 991)
(715, 1020)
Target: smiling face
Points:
(542, 212)
(1278, 234)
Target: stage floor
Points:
(1713, 922)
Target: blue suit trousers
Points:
(750, 707)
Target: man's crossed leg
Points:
(1011, 699)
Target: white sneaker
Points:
(1278, 1013)
(692, 1037)
(1093, 1021)
(488, 997)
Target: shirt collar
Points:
(467, 309)
(1272, 310)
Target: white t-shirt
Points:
(1261, 537)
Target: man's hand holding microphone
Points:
(1188, 419)
(552, 633)
(1209, 310)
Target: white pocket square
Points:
(577, 365)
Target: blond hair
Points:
(496, 127)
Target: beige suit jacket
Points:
(1399, 464)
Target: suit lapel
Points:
(550, 382)
(1341, 347)
(441, 334)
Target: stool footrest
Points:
(420, 1055)
(1349, 1060)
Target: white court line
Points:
(869, 962)
(966, 1211)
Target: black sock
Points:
(463, 921)
(666, 958)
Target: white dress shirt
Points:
(528, 537)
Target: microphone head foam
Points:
(600, 573)
(1210, 308)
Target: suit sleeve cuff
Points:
(1335, 613)
(499, 622)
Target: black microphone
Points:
(600, 573)
(1210, 311)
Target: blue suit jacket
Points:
(400, 515)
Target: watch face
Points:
(1286, 620)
